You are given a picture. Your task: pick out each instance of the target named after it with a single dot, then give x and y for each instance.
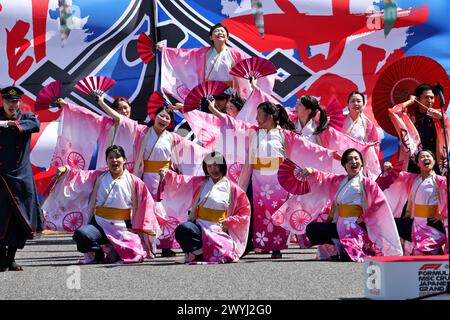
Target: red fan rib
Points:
(144, 48)
(335, 115)
(204, 89)
(290, 179)
(98, 84)
(256, 67)
(47, 95)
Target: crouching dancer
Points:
(123, 221)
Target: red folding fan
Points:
(203, 90)
(253, 67)
(145, 48)
(388, 177)
(400, 80)
(335, 115)
(95, 85)
(47, 95)
(155, 102)
(290, 179)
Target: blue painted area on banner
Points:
(389, 145)
(211, 10)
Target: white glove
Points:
(4, 123)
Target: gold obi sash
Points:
(425, 211)
(155, 166)
(113, 213)
(267, 163)
(349, 210)
(211, 214)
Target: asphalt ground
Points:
(51, 271)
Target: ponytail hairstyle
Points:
(312, 104)
(278, 113)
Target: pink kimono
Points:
(381, 237)
(73, 201)
(410, 138)
(183, 69)
(187, 157)
(81, 129)
(425, 239)
(218, 246)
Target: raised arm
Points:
(110, 111)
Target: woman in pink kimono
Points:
(357, 124)
(123, 224)
(183, 69)
(219, 218)
(156, 148)
(425, 223)
(76, 150)
(307, 110)
(360, 222)
(261, 148)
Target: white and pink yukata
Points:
(80, 131)
(168, 150)
(212, 205)
(425, 198)
(183, 69)
(111, 203)
(262, 152)
(348, 202)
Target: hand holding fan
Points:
(255, 67)
(290, 179)
(389, 176)
(203, 90)
(95, 85)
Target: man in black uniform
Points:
(20, 214)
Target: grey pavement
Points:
(52, 272)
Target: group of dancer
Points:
(219, 198)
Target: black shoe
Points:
(276, 254)
(13, 266)
(3, 261)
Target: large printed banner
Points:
(321, 47)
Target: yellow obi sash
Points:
(425, 211)
(155, 166)
(211, 214)
(267, 163)
(113, 213)
(349, 210)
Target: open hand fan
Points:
(290, 179)
(400, 80)
(253, 67)
(155, 102)
(389, 176)
(145, 48)
(203, 90)
(47, 95)
(95, 85)
(336, 117)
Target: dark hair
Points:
(416, 158)
(421, 88)
(358, 93)
(161, 109)
(118, 150)
(237, 101)
(216, 26)
(344, 159)
(116, 102)
(311, 103)
(218, 159)
(279, 114)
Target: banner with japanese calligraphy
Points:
(321, 47)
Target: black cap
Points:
(11, 93)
